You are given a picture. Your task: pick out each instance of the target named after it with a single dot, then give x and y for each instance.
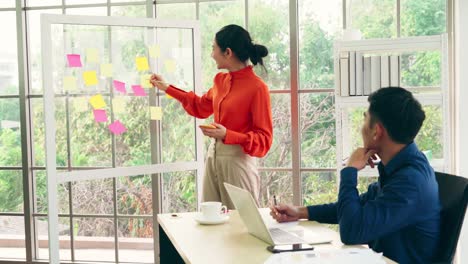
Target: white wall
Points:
(461, 71)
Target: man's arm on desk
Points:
(325, 213)
(288, 213)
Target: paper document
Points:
(345, 255)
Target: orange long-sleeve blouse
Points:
(240, 101)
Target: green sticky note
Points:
(69, 83)
(92, 55)
(106, 70)
(154, 51)
(156, 113)
(80, 104)
(170, 66)
(118, 105)
(145, 81)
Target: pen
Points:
(274, 200)
(153, 81)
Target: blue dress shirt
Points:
(399, 215)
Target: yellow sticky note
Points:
(92, 55)
(156, 112)
(142, 63)
(154, 51)
(106, 70)
(80, 104)
(145, 81)
(90, 78)
(118, 105)
(97, 102)
(69, 83)
(168, 96)
(170, 66)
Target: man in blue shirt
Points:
(399, 215)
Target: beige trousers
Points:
(229, 163)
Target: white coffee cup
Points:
(212, 210)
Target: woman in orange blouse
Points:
(240, 102)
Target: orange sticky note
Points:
(97, 102)
(156, 112)
(142, 63)
(90, 78)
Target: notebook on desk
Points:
(250, 215)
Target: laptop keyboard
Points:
(284, 237)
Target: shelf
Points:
(423, 98)
(435, 95)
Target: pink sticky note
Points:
(138, 90)
(74, 60)
(117, 128)
(119, 86)
(100, 115)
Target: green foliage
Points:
(316, 56)
(11, 191)
(430, 135)
(374, 18)
(423, 17)
(420, 69)
(319, 188)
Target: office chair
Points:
(453, 193)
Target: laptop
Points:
(250, 215)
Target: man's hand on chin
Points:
(361, 157)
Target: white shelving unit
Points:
(344, 103)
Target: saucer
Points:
(203, 221)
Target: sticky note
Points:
(106, 70)
(154, 51)
(69, 83)
(118, 105)
(97, 102)
(90, 78)
(170, 66)
(156, 112)
(74, 60)
(117, 128)
(138, 90)
(119, 86)
(100, 115)
(145, 81)
(142, 63)
(80, 104)
(92, 55)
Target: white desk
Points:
(182, 239)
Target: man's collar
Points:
(399, 159)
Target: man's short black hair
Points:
(398, 111)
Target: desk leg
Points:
(167, 252)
